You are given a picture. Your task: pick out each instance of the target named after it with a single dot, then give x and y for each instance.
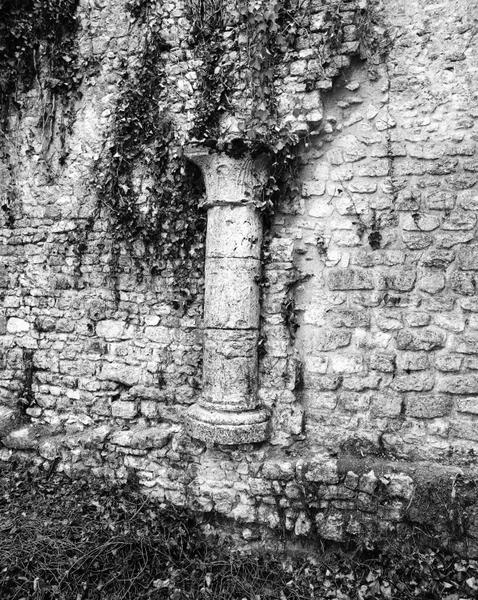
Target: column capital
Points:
(230, 180)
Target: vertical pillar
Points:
(228, 410)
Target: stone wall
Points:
(368, 340)
(387, 242)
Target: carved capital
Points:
(229, 180)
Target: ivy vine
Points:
(151, 193)
(37, 48)
(37, 45)
(242, 48)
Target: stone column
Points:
(228, 410)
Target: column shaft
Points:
(228, 410)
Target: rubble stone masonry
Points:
(368, 334)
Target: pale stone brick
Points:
(459, 384)
(124, 409)
(386, 404)
(109, 329)
(427, 406)
(16, 325)
(420, 339)
(349, 279)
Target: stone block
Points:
(324, 383)
(464, 429)
(467, 343)
(386, 404)
(50, 449)
(124, 409)
(314, 188)
(431, 282)
(400, 486)
(326, 340)
(350, 363)
(417, 319)
(427, 406)
(438, 303)
(448, 363)
(469, 304)
(412, 361)
(469, 201)
(468, 258)
(330, 527)
(16, 325)
(45, 324)
(313, 101)
(419, 222)
(448, 239)
(150, 393)
(420, 339)
(96, 309)
(230, 369)
(355, 401)
(159, 334)
(459, 221)
(440, 200)
(415, 382)
(449, 321)
(408, 200)
(342, 317)
(124, 374)
(462, 283)
(438, 259)
(232, 293)
(8, 417)
(26, 438)
(467, 405)
(362, 186)
(65, 326)
(368, 483)
(466, 383)
(317, 364)
(358, 383)
(149, 409)
(110, 329)
(34, 411)
(234, 231)
(141, 437)
(302, 525)
(383, 361)
(401, 279)
(388, 320)
(350, 279)
(320, 469)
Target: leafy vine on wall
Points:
(239, 53)
(150, 192)
(38, 47)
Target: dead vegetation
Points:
(86, 539)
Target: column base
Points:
(227, 428)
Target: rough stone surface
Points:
(367, 331)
